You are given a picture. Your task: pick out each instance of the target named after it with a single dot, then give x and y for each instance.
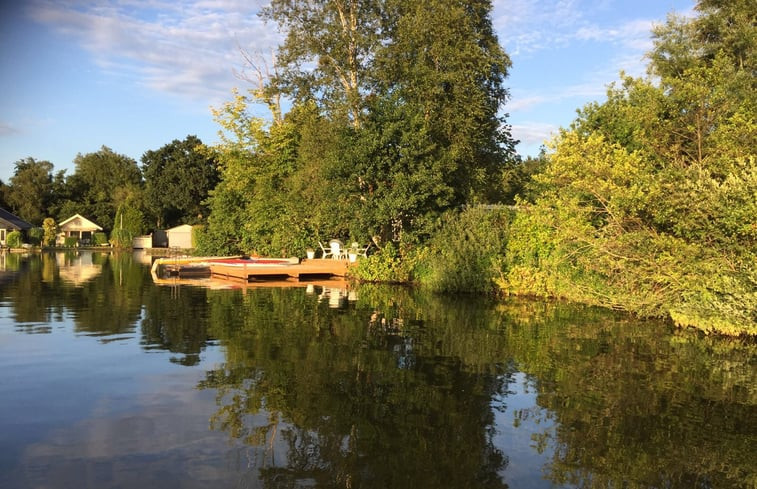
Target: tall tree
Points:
(102, 181)
(327, 51)
(444, 60)
(178, 178)
(30, 191)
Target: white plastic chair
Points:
(337, 250)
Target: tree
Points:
(178, 178)
(102, 181)
(50, 231)
(129, 223)
(30, 190)
(649, 201)
(445, 62)
(327, 52)
(393, 122)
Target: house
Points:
(9, 223)
(180, 236)
(79, 227)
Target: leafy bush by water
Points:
(13, 240)
(467, 252)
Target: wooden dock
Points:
(304, 270)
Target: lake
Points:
(112, 381)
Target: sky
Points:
(134, 75)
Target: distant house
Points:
(9, 223)
(180, 236)
(79, 227)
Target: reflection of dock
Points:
(305, 269)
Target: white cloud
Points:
(187, 48)
(533, 133)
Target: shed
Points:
(79, 227)
(180, 236)
(9, 223)
(142, 242)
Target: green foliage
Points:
(467, 252)
(121, 238)
(71, 242)
(178, 177)
(30, 189)
(102, 182)
(649, 202)
(14, 239)
(99, 239)
(50, 231)
(130, 223)
(341, 163)
(35, 235)
(387, 265)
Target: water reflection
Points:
(78, 267)
(352, 399)
(331, 385)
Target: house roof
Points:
(11, 221)
(79, 222)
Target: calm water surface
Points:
(111, 381)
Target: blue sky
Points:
(134, 75)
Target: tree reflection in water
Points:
(361, 397)
(399, 390)
(391, 387)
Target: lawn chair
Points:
(326, 251)
(360, 250)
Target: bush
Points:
(121, 238)
(50, 230)
(99, 239)
(386, 265)
(13, 240)
(34, 235)
(467, 252)
(71, 242)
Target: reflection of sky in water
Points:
(79, 414)
(515, 425)
(87, 413)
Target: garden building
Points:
(180, 236)
(79, 227)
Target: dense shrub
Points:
(99, 239)
(386, 265)
(121, 238)
(34, 235)
(50, 230)
(13, 239)
(71, 241)
(467, 253)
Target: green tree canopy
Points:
(102, 181)
(30, 190)
(395, 119)
(178, 178)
